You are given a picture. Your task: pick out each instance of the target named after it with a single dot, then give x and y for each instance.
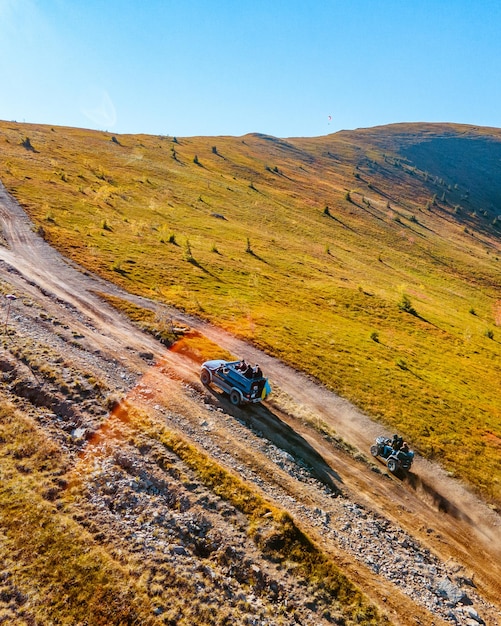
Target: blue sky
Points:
(230, 67)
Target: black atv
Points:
(396, 457)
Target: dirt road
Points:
(434, 510)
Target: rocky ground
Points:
(424, 550)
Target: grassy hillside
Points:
(370, 259)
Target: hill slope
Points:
(369, 259)
(128, 475)
(130, 494)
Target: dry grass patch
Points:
(61, 575)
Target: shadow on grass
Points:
(420, 317)
(256, 256)
(401, 364)
(266, 424)
(196, 264)
(336, 219)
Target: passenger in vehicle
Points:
(249, 372)
(404, 450)
(257, 372)
(242, 366)
(397, 443)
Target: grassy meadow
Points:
(365, 258)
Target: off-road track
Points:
(423, 548)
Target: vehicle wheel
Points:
(374, 450)
(392, 465)
(205, 377)
(234, 397)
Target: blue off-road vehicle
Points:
(395, 453)
(242, 383)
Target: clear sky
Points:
(230, 67)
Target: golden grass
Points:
(62, 573)
(243, 238)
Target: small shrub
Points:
(195, 160)
(347, 196)
(489, 333)
(187, 252)
(28, 145)
(406, 305)
(375, 337)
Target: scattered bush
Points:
(406, 305)
(187, 252)
(28, 145)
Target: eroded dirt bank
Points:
(424, 549)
